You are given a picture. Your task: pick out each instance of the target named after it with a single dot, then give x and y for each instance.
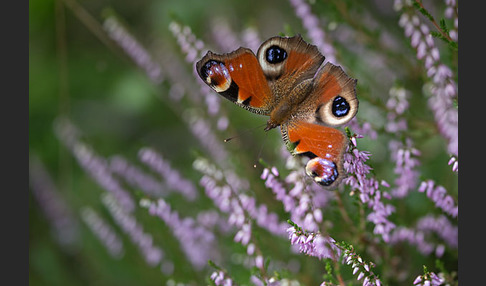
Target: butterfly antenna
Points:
(244, 132)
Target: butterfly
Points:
(288, 81)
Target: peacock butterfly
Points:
(288, 81)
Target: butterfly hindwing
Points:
(322, 144)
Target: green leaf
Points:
(439, 36)
(443, 26)
(423, 11)
(453, 46)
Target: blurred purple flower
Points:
(172, 177)
(64, 226)
(442, 85)
(136, 177)
(397, 104)
(406, 162)
(103, 230)
(438, 194)
(211, 220)
(442, 227)
(251, 39)
(152, 254)
(194, 49)
(197, 242)
(203, 131)
(96, 166)
(362, 130)
(421, 237)
(413, 237)
(224, 36)
(133, 49)
(314, 30)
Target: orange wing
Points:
(333, 96)
(287, 61)
(323, 145)
(238, 77)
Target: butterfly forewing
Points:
(238, 77)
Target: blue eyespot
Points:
(340, 106)
(275, 55)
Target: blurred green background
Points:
(75, 71)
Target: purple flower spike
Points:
(133, 49)
(172, 177)
(442, 85)
(197, 242)
(153, 254)
(368, 192)
(439, 196)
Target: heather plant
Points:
(140, 174)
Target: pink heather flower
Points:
(350, 257)
(302, 201)
(454, 162)
(226, 191)
(397, 104)
(220, 278)
(406, 167)
(313, 244)
(428, 279)
(250, 249)
(259, 261)
(243, 235)
(368, 192)
(362, 130)
(442, 85)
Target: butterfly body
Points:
(287, 81)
